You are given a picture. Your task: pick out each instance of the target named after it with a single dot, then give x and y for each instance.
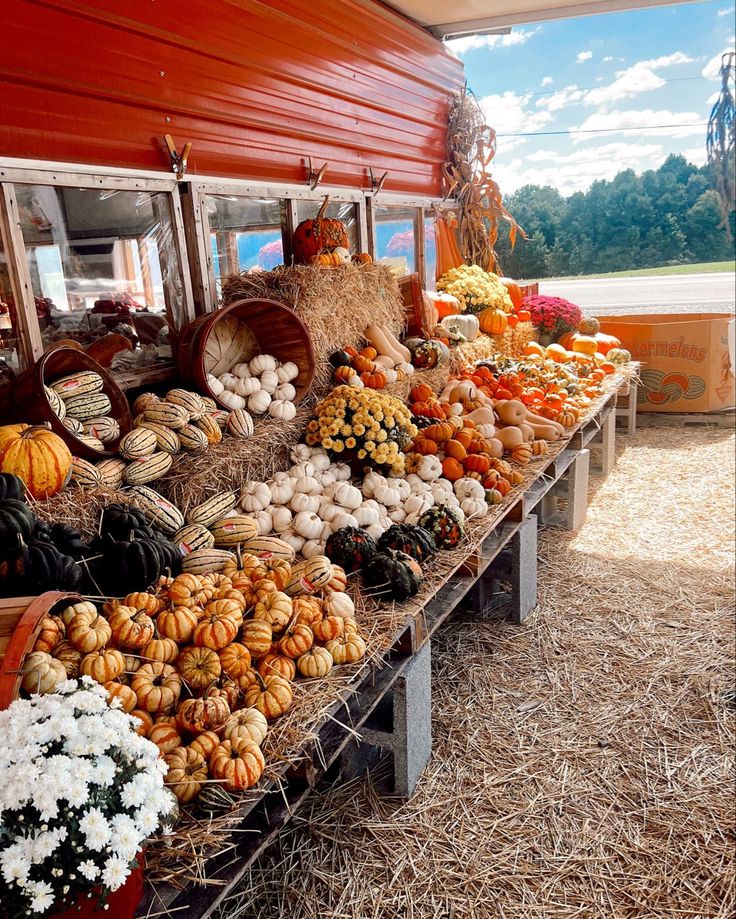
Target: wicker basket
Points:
(31, 404)
(273, 329)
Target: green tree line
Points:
(666, 216)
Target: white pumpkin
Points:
(232, 400)
(342, 471)
(285, 391)
(355, 381)
(417, 504)
(388, 497)
(264, 519)
(366, 515)
(283, 410)
(299, 453)
(456, 408)
(370, 502)
(469, 488)
(312, 547)
(262, 362)
(391, 375)
(384, 520)
(408, 369)
(287, 372)
(241, 370)
(328, 510)
(307, 485)
(255, 496)
(293, 539)
(305, 467)
(215, 386)
(281, 519)
(308, 524)
(326, 531)
(413, 519)
(371, 482)
(269, 381)
(376, 530)
(339, 604)
(487, 430)
(282, 488)
(474, 507)
(320, 460)
(326, 478)
(258, 402)
(429, 468)
(302, 502)
(348, 496)
(228, 380)
(343, 519)
(246, 386)
(397, 514)
(400, 485)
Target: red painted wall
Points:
(256, 87)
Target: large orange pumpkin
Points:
(514, 292)
(36, 455)
(493, 322)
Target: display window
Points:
(10, 352)
(430, 254)
(245, 234)
(346, 211)
(104, 261)
(395, 237)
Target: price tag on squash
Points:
(307, 585)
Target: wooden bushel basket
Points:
(275, 329)
(30, 403)
(20, 623)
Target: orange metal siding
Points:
(256, 87)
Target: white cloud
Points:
(712, 69)
(508, 114)
(639, 78)
(648, 122)
(561, 99)
(695, 155)
(577, 171)
(584, 56)
(547, 81)
(607, 59)
(727, 12)
(459, 46)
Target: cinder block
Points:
(626, 409)
(409, 735)
(524, 570)
(566, 504)
(603, 447)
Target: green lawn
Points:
(700, 268)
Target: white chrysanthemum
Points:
(14, 865)
(95, 828)
(42, 896)
(115, 873)
(89, 870)
(126, 838)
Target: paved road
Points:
(688, 293)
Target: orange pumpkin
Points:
(238, 763)
(439, 432)
(493, 321)
(606, 342)
(421, 393)
(584, 344)
(369, 352)
(533, 348)
(454, 449)
(363, 365)
(452, 470)
(373, 380)
(425, 447)
(36, 455)
(477, 462)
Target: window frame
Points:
(29, 333)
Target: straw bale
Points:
(336, 304)
(582, 764)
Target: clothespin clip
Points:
(178, 160)
(314, 178)
(377, 184)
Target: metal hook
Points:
(178, 160)
(314, 178)
(377, 184)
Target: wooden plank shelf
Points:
(267, 810)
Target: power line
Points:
(650, 127)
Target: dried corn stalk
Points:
(721, 140)
(467, 172)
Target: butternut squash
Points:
(496, 447)
(511, 411)
(481, 416)
(384, 361)
(396, 345)
(376, 337)
(509, 437)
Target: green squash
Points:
(412, 540)
(393, 575)
(444, 524)
(350, 548)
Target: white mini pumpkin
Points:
(228, 380)
(366, 515)
(282, 488)
(293, 539)
(342, 471)
(299, 453)
(308, 485)
(261, 363)
(232, 400)
(339, 604)
(469, 488)
(283, 410)
(397, 514)
(255, 496)
(320, 460)
(308, 524)
(258, 402)
(343, 519)
(215, 386)
(241, 370)
(474, 507)
(287, 372)
(326, 478)
(401, 485)
(312, 547)
(388, 497)
(304, 467)
(264, 519)
(281, 518)
(303, 502)
(328, 510)
(376, 530)
(246, 386)
(326, 531)
(391, 375)
(285, 391)
(429, 468)
(348, 496)
(371, 482)
(408, 369)
(269, 381)
(417, 504)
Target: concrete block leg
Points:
(404, 726)
(572, 492)
(603, 447)
(627, 412)
(524, 570)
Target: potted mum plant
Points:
(80, 792)
(553, 316)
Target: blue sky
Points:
(616, 71)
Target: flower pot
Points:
(121, 905)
